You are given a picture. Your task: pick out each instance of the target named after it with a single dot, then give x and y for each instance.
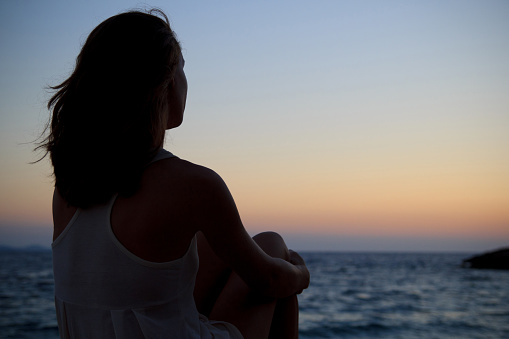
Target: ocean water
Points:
(27, 307)
(351, 295)
(402, 295)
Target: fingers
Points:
(296, 259)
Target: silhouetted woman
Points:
(130, 218)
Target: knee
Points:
(273, 244)
(268, 236)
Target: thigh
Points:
(249, 311)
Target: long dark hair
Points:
(109, 117)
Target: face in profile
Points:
(177, 94)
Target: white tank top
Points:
(102, 290)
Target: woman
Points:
(131, 219)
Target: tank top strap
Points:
(162, 154)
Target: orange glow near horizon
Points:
(378, 203)
(300, 197)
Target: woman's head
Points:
(110, 116)
(123, 74)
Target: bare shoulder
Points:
(179, 182)
(178, 171)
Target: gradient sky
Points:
(343, 125)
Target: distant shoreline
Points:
(29, 248)
(40, 248)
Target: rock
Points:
(498, 259)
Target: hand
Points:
(297, 260)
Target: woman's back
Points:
(154, 223)
(99, 281)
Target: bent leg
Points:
(254, 315)
(285, 322)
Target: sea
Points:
(351, 295)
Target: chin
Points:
(174, 124)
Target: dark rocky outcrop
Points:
(498, 259)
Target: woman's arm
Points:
(216, 215)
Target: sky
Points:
(342, 125)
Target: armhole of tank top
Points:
(134, 257)
(66, 229)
